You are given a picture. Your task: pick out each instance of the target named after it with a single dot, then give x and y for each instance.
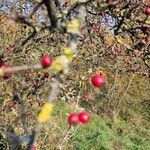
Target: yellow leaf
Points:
(73, 26)
(60, 64)
(45, 112)
(57, 65)
(68, 52)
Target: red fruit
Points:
(147, 11)
(98, 80)
(84, 117)
(46, 61)
(73, 119)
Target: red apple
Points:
(98, 80)
(46, 61)
(84, 117)
(73, 119)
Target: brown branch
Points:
(51, 11)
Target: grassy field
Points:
(129, 130)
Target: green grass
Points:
(98, 134)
